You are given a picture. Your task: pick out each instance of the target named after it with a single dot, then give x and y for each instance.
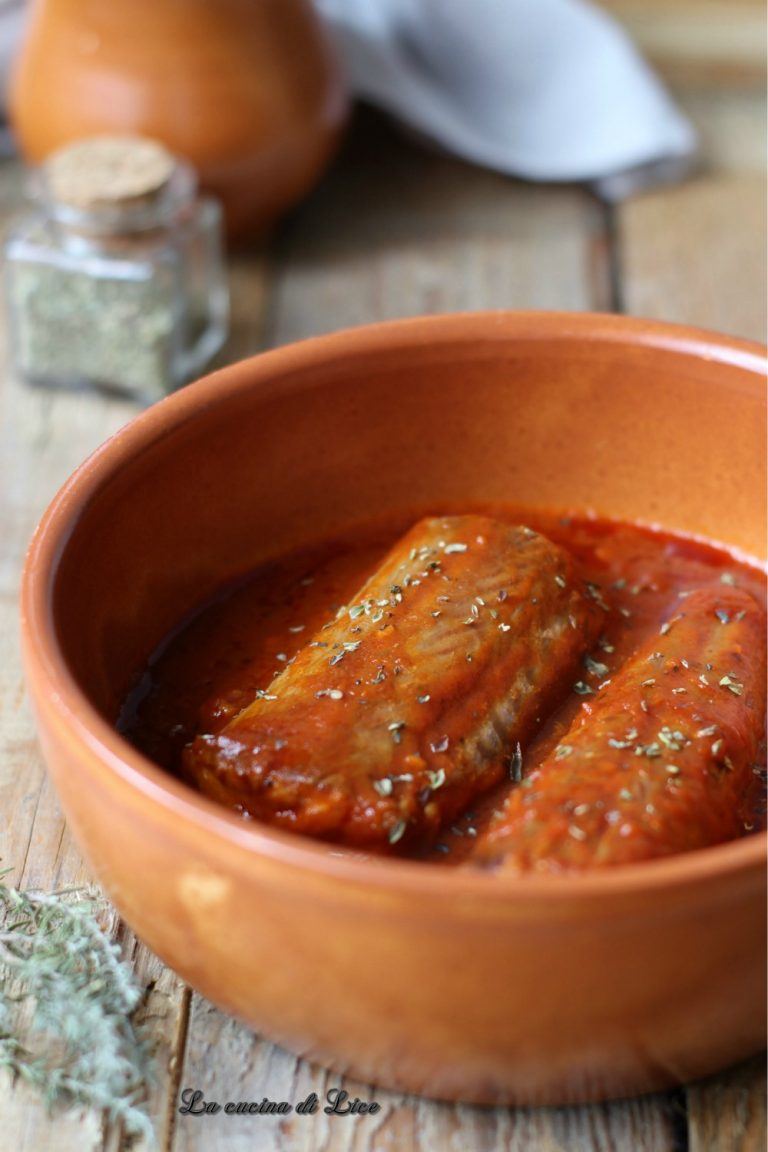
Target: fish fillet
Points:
(411, 701)
(661, 760)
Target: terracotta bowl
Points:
(540, 990)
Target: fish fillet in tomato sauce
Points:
(212, 668)
(407, 705)
(660, 759)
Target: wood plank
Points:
(731, 128)
(34, 459)
(228, 1063)
(696, 254)
(248, 273)
(28, 1128)
(728, 1112)
(399, 231)
(43, 438)
(717, 43)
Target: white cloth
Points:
(543, 89)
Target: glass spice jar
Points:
(116, 279)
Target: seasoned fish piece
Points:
(408, 704)
(661, 760)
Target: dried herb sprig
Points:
(66, 1007)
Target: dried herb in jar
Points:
(116, 279)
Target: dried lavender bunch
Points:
(66, 1007)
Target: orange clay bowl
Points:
(410, 975)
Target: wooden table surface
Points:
(394, 230)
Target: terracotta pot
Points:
(410, 975)
(247, 90)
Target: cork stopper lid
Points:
(109, 172)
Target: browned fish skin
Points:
(661, 760)
(409, 703)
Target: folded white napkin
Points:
(543, 89)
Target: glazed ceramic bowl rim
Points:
(69, 707)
